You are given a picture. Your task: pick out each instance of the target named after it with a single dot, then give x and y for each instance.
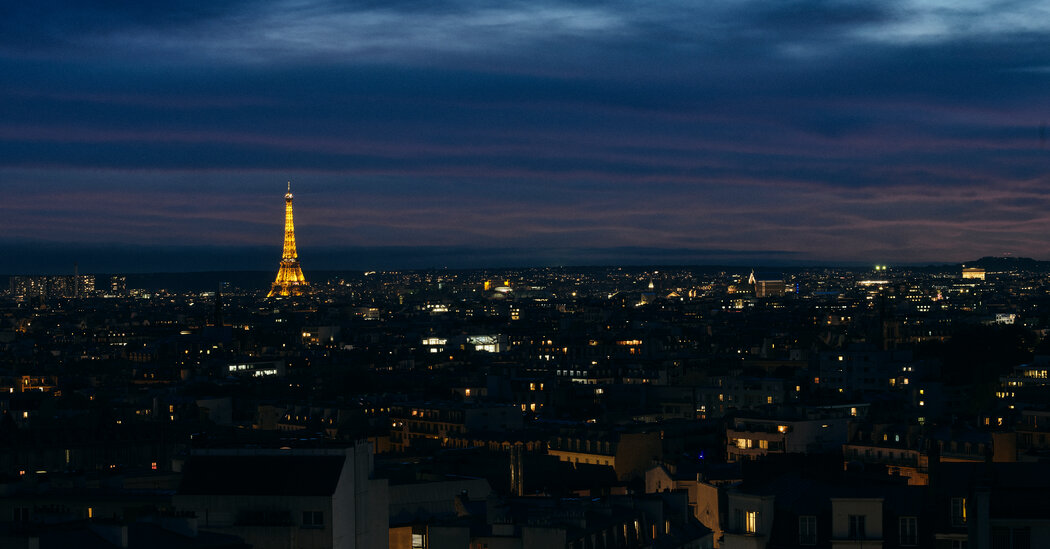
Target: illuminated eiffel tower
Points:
(290, 279)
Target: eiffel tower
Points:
(290, 279)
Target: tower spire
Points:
(290, 279)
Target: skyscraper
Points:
(290, 279)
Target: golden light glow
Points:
(751, 522)
(290, 280)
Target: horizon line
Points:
(59, 258)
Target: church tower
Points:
(290, 279)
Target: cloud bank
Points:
(831, 131)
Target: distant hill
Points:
(989, 263)
(195, 282)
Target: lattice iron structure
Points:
(290, 280)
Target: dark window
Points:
(909, 527)
(856, 527)
(313, 519)
(1011, 538)
(807, 530)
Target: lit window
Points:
(751, 522)
(958, 511)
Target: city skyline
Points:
(552, 133)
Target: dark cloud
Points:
(826, 130)
(62, 27)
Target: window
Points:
(1011, 538)
(856, 527)
(959, 544)
(958, 511)
(807, 530)
(418, 541)
(909, 528)
(313, 519)
(751, 522)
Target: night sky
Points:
(468, 134)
